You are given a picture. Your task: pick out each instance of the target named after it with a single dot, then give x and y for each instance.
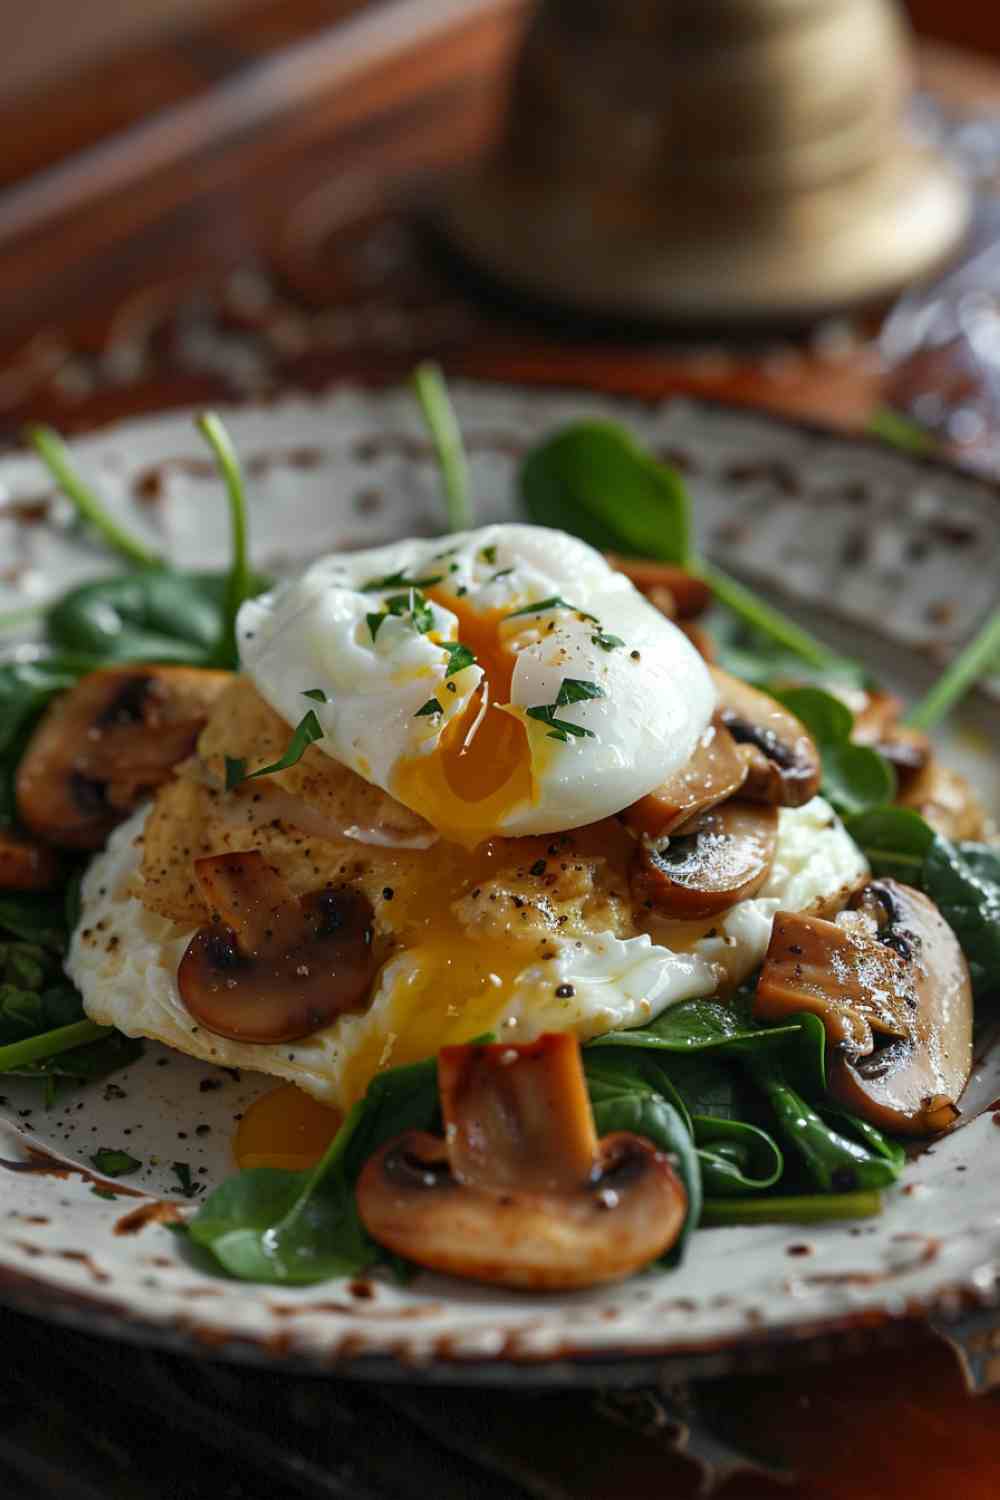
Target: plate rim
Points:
(749, 1350)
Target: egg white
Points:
(657, 696)
(124, 959)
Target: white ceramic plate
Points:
(893, 559)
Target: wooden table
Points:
(233, 210)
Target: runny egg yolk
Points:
(478, 772)
(285, 1128)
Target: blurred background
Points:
(50, 40)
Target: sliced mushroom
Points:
(724, 856)
(877, 725)
(26, 865)
(891, 985)
(520, 1192)
(676, 593)
(105, 744)
(715, 772)
(946, 801)
(271, 967)
(783, 764)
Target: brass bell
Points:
(699, 161)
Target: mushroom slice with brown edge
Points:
(26, 865)
(877, 725)
(715, 772)
(946, 801)
(722, 857)
(783, 764)
(676, 593)
(105, 744)
(271, 967)
(520, 1192)
(891, 985)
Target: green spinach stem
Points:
(810, 1208)
(49, 1044)
(743, 602)
(979, 656)
(239, 584)
(442, 424)
(56, 457)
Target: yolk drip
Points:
(462, 952)
(466, 789)
(285, 1128)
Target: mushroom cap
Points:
(891, 985)
(678, 594)
(628, 1211)
(724, 856)
(715, 772)
(783, 764)
(271, 967)
(520, 1192)
(105, 744)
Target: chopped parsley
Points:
(500, 573)
(306, 732)
(605, 641)
(431, 707)
(559, 729)
(399, 581)
(488, 555)
(571, 690)
(316, 694)
(413, 604)
(577, 690)
(115, 1163)
(555, 601)
(460, 656)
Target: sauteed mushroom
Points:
(271, 967)
(105, 744)
(715, 772)
(877, 725)
(891, 985)
(783, 764)
(945, 800)
(676, 593)
(722, 857)
(520, 1192)
(24, 864)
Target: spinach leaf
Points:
(856, 778)
(698, 1025)
(97, 1059)
(834, 1162)
(33, 917)
(153, 615)
(297, 1228)
(961, 878)
(625, 1096)
(736, 1157)
(895, 841)
(593, 479)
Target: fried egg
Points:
(503, 681)
(461, 979)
